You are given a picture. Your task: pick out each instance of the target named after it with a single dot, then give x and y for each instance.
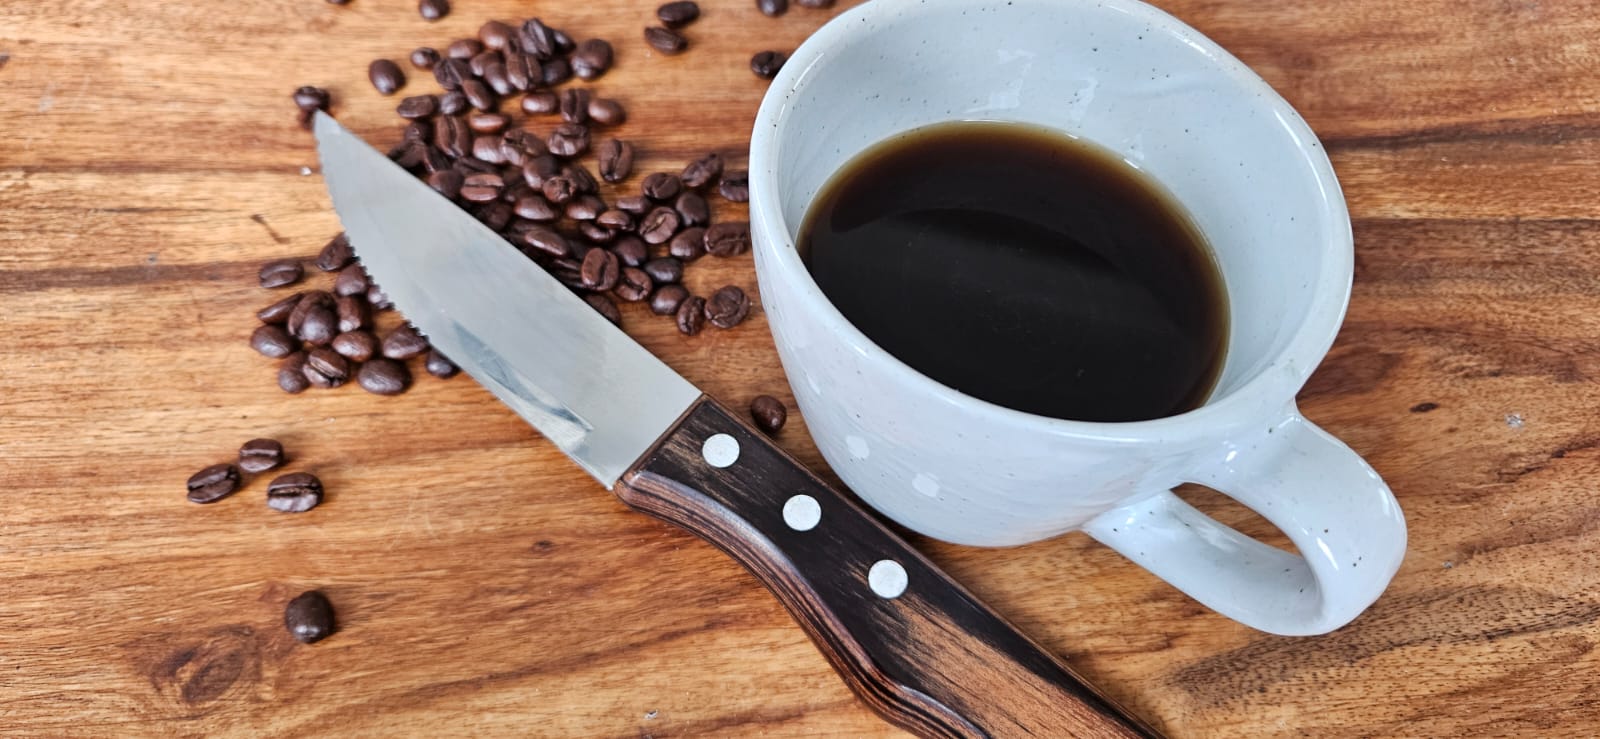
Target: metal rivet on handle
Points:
(720, 450)
(887, 578)
(802, 513)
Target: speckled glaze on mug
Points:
(1255, 179)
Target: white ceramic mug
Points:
(1257, 183)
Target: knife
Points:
(913, 644)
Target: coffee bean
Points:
(536, 208)
(338, 2)
(452, 136)
(814, 3)
(692, 209)
(659, 225)
(450, 72)
(495, 215)
(607, 112)
(213, 483)
(635, 204)
(666, 299)
(452, 103)
(498, 80)
(432, 10)
(702, 171)
(309, 617)
(291, 373)
(691, 315)
(556, 71)
(768, 413)
(772, 8)
(689, 244)
(616, 160)
(735, 186)
(279, 312)
(352, 311)
(479, 94)
(664, 269)
(487, 149)
(296, 492)
(446, 182)
(408, 154)
(616, 220)
(665, 40)
(542, 102)
(605, 307)
(634, 285)
(356, 345)
(487, 123)
(727, 307)
(661, 186)
(538, 39)
(482, 188)
(352, 280)
(280, 273)
(564, 42)
(678, 14)
(418, 131)
(439, 365)
(404, 343)
(310, 98)
(591, 59)
(520, 146)
(270, 340)
(767, 63)
(630, 249)
(497, 35)
(260, 455)
(558, 190)
(383, 377)
(308, 303)
(386, 76)
(336, 254)
(417, 106)
(377, 299)
(575, 105)
(424, 57)
(728, 239)
(568, 140)
(546, 241)
(325, 368)
(600, 271)
(523, 71)
(585, 208)
(595, 232)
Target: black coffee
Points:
(1025, 268)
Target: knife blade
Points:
(912, 643)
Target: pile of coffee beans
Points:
(296, 492)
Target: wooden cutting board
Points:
(150, 162)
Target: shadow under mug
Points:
(1258, 185)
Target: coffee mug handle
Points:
(1333, 506)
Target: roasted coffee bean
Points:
(536, 208)
(542, 102)
(453, 103)
(567, 275)
(727, 307)
(464, 49)
(814, 3)
(280, 273)
(497, 35)
(691, 315)
(291, 374)
(451, 72)
(479, 94)
(260, 455)
(498, 79)
(479, 63)
(607, 112)
(279, 312)
(728, 239)
(424, 57)
(617, 220)
(439, 365)
(591, 59)
(418, 131)
(702, 171)
(659, 225)
(689, 244)
(319, 325)
(308, 302)
(446, 182)
(581, 179)
(735, 186)
(768, 413)
(766, 64)
(434, 160)
(404, 342)
(417, 106)
(678, 14)
(630, 249)
(585, 208)
(432, 10)
(538, 39)
(309, 617)
(558, 189)
(336, 254)
(692, 209)
(575, 105)
(616, 160)
(487, 123)
(635, 204)
(545, 240)
(605, 307)
(452, 136)
(487, 149)
(383, 377)
(600, 271)
(633, 286)
(496, 215)
(353, 311)
(325, 368)
(664, 270)
(378, 299)
(568, 140)
(519, 146)
(772, 8)
(408, 155)
(296, 492)
(523, 71)
(482, 188)
(310, 98)
(595, 232)
(556, 71)
(665, 40)
(352, 280)
(385, 76)
(666, 299)
(213, 483)
(338, 2)
(356, 346)
(270, 340)
(661, 186)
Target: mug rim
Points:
(1277, 381)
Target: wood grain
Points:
(150, 162)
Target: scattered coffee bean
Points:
(591, 59)
(678, 14)
(536, 208)
(638, 205)
(497, 35)
(727, 307)
(418, 106)
(488, 123)
(767, 63)
(270, 340)
(487, 148)
(291, 374)
(498, 79)
(634, 285)
(307, 304)
(520, 147)
(464, 49)
(386, 76)
(452, 103)
(667, 298)
(495, 215)
(479, 94)
(452, 136)
(352, 311)
(279, 312)
(691, 315)
(616, 160)
(600, 271)
(814, 3)
(768, 413)
(542, 102)
(336, 254)
(659, 225)
(664, 269)
(296, 492)
(689, 244)
(728, 239)
(318, 325)
(383, 377)
(665, 40)
(702, 171)
(432, 10)
(661, 186)
(585, 208)
(309, 98)
(556, 71)
(630, 249)
(605, 307)
(546, 241)
(523, 71)
(692, 209)
(356, 345)
(281, 273)
(568, 140)
(377, 299)
(309, 617)
(424, 57)
(558, 190)
(735, 186)
(482, 188)
(450, 73)
(575, 105)
(616, 220)
(446, 182)
(260, 455)
(595, 232)
(351, 280)
(439, 365)
(772, 8)
(324, 368)
(404, 343)
(607, 112)
(213, 483)
(538, 39)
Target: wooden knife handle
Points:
(931, 659)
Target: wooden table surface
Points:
(150, 162)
